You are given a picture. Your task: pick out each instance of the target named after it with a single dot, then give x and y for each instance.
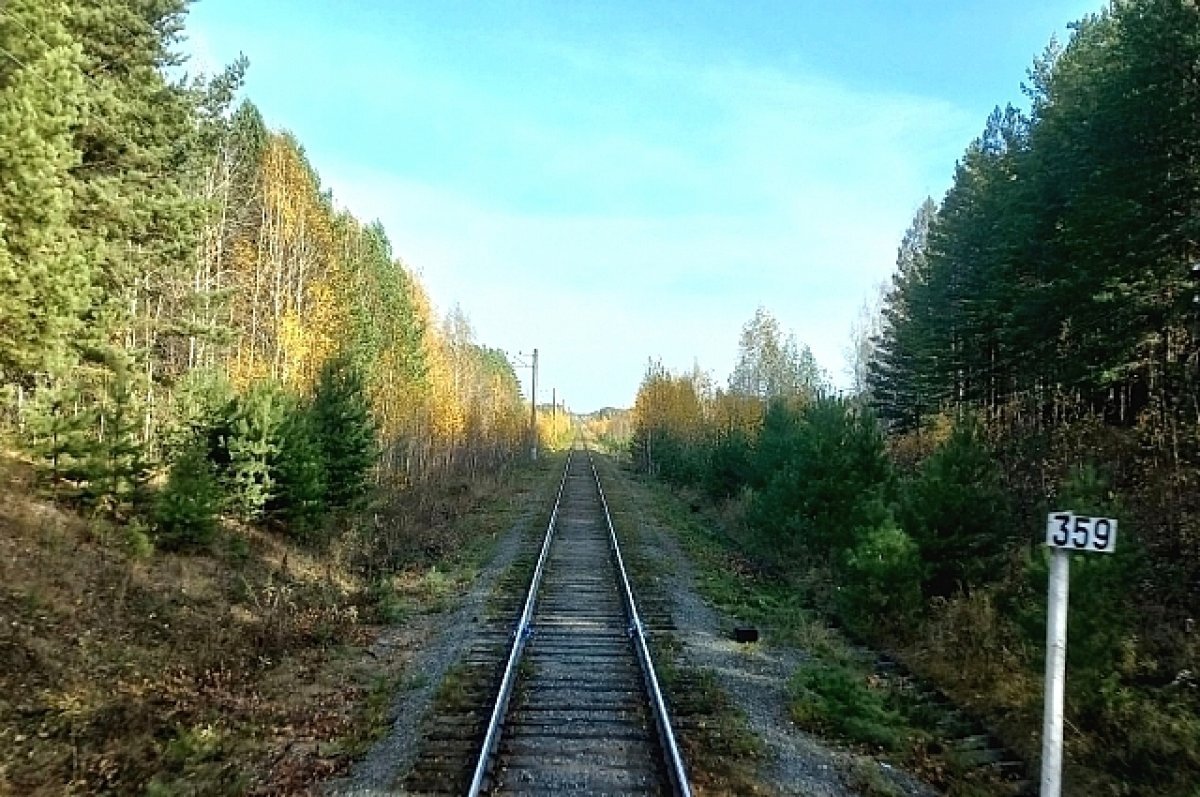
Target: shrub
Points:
(1141, 717)
(836, 697)
(1150, 739)
(727, 464)
(673, 458)
(1100, 616)
(198, 402)
(826, 474)
(777, 441)
(136, 539)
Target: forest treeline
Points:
(189, 324)
(1035, 351)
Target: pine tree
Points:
(185, 510)
(198, 403)
(957, 512)
(57, 428)
(245, 446)
(899, 373)
(116, 466)
(1116, 138)
(300, 468)
(345, 430)
(44, 280)
(825, 476)
(1056, 269)
(136, 218)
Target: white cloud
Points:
(607, 234)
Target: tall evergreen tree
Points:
(1058, 261)
(899, 374)
(43, 275)
(1117, 135)
(136, 218)
(973, 253)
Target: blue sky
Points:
(615, 181)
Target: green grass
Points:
(195, 762)
(374, 716)
(843, 700)
(865, 778)
(456, 692)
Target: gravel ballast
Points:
(438, 641)
(754, 676)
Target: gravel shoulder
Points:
(755, 677)
(434, 642)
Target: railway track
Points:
(572, 704)
(551, 695)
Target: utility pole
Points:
(553, 407)
(533, 410)
(519, 361)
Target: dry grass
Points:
(240, 671)
(121, 671)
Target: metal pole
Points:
(1056, 667)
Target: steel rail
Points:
(675, 767)
(520, 637)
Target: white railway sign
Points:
(1081, 533)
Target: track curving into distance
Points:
(579, 708)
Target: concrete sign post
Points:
(1065, 532)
